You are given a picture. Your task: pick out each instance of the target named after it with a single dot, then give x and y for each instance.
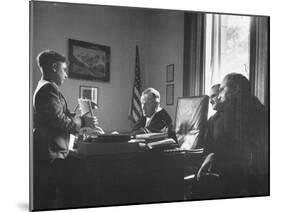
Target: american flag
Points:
(135, 108)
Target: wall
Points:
(160, 37)
(164, 45)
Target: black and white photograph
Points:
(160, 134)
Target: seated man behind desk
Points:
(214, 93)
(214, 101)
(155, 118)
(53, 124)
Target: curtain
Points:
(193, 67)
(259, 58)
(213, 56)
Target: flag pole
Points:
(135, 112)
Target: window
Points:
(227, 47)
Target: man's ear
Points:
(54, 67)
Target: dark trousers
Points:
(51, 184)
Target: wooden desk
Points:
(127, 178)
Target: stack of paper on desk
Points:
(152, 136)
(167, 142)
(155, 140)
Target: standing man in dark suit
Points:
(53, 124)
(155, 118)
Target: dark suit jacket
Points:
(158, 123)
(237, 134)
(53, 124)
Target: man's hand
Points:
(98, 130)
(89, 121)
(206, 165)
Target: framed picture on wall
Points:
(89, 61)
(88, 92)
(170, 73)
(170, 94)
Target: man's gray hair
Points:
(239, 82)
(153, 93)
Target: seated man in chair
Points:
(214, 93)
(238, 141)
(155, 118)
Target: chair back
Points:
(191, 121)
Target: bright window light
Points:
(227, 47)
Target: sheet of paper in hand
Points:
(87, 106)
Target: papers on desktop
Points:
(154, 140)
(161, 143)
(149, 137)
(152, 136)
(137, 140)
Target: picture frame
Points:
(89, 92)
(170, 94)
(170, 73)
(88, 61)
(141, 48)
